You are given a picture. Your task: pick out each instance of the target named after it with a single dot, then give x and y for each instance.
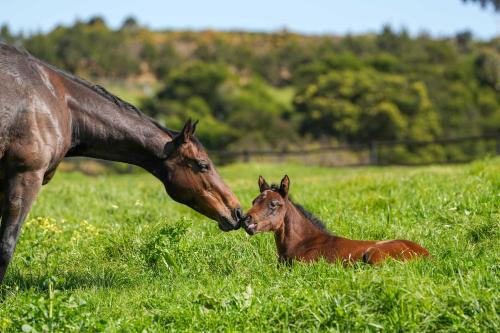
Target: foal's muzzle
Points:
(249, 226)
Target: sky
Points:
(437, 17)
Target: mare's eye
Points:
(274, 204)
(203, 166)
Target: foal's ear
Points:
(285, 186)
(263, 185)
(193, 127)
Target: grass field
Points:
(114, 253)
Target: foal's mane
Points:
(307, 214)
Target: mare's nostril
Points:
(239, 214)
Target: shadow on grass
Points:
(17, 281)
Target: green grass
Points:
(115, 253)
(130, 92)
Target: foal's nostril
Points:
(246, 220)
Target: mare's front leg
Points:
(1, 194)
(21, 189)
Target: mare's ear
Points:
(188, 130)
(285, 186)
(263, 186)
(184, 136)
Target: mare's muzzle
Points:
(234, 223)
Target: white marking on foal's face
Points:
(264, 194)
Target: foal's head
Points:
(191, 179)
(269, 208)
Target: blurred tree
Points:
(388, 39)
(485, 3)
(385, 62)
(90, 49)
(130, 23)
(487, 66)
(197, 79)
(366, 105)
(5, 34)
(464, 40)
(234, 111)
(96, 20)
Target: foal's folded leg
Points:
(398, 250)
(374, 255)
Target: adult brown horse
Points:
(47, 114)
(301, 236)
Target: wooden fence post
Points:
(246, 156)
(374, 153)
(282, 155)
(498, 144)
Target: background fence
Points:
(450, 150)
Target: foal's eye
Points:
(203, 166)
(274, 204)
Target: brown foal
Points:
(301, 236)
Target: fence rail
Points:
(398, 152)
(403, 152)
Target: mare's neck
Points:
(295, 233)
(107, 130)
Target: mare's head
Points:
(269, 208)
(191, 179)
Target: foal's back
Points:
(368, 251)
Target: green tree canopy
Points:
(359, 106)
(234, 110)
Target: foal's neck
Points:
(296, 232)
